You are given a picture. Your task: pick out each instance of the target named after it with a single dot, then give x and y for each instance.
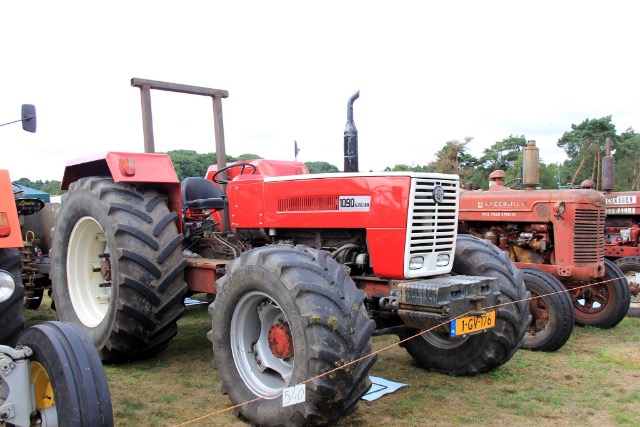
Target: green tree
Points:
(454, 159)
(321, 167)
(406, 168)
(503, 154)
(247, 156)
(627, 158)
(584, 145)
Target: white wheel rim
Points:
(90, 300)
(262, 372)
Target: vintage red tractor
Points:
(50, 374)
(554, 236)
(622, 229)
(304, 270)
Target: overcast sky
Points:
(428, 72)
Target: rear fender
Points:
(154, 169)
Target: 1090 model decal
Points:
(354, 203)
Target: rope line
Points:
(396, 344)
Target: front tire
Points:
(630, 266)
(283, 315)
(67, 376)
(11, 313)
(118, 268)
(603, 305)
(551, 312)
(482, 352)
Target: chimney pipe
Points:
(351, 138)
(531, 167)
(608, 170)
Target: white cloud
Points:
(428, 72)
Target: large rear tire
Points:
(483, 352)
(551, 312)
(630, 266)
(11, 313)
(604, 305)
(67, 376)
(118, 269)
(284, 315)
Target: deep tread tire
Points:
(552, 313)
(11, 313)
(616, 298)
(329, 328)
(483, 352)
(145, 297)
(630, 265)
(76, 375)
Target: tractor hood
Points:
(519, 205)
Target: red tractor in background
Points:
(304, 270)
(622, 229)
(50, 374)
(556, 237)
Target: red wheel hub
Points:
(280, 341)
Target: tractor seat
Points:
(200, 193)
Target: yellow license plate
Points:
(470, 324)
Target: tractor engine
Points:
(622, 231)
(524, 242)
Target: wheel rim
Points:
(42, 386)
(539, 318)
(633, 279)
(254, 317)
(593, 300)
(442, 340)
(88, 272)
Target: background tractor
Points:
(622, 229)
(554, 236)
(304, 270)
(50, 374)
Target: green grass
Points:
(594, 380)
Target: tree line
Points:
(584, 145)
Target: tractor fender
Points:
(151, 168)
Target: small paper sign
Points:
(293, 395)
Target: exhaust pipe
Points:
(351, 138)
(531, 166)
(608, 169)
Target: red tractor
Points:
(50, 374)
(556, 238)
(304, 270)
(622, 229)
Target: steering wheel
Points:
(243, 166)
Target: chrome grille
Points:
(588, 239)
(431, 226)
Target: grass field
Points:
(594, 380)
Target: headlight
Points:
(416, 263)
(442, 260)
(558, 208)
(7, 286)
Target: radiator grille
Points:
(432, 226)
(588, 240)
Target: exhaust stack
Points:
(531, 168)
(351, 138)
(608, 169)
